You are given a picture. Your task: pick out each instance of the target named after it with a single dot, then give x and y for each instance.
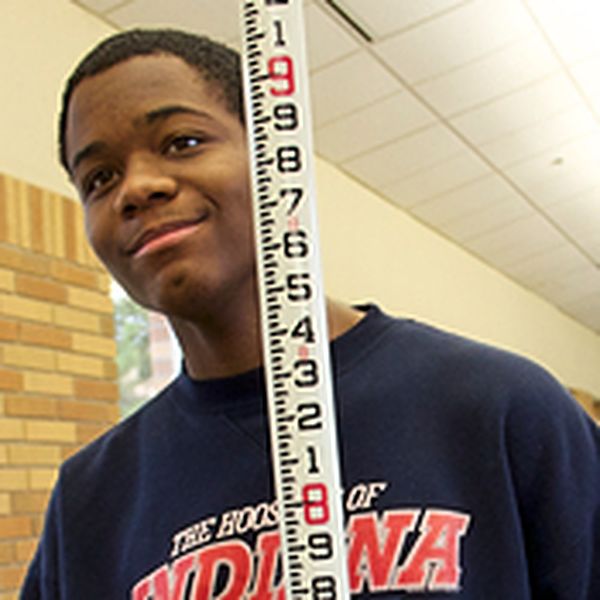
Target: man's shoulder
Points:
(120, 446)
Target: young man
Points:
(468, 472)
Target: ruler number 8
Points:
(323, 588)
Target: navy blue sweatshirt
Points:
(468, 473)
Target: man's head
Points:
(216, 64)
(155, 144)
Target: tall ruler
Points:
(295, 341)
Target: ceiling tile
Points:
(437, 180)
(540, 137)
(405, 156)
(549, 267)
(489, 216)
(561, 173)
(516, 241)
(580, 215)
(519, 109)
(443, 44)
(374, 125)
(586, 309)
(348, 85)
(586, 75)
(468, 199)
(219, 20)
(582, 283)
(325, 40)
(392, 16)
(572, 25)
(515, 66)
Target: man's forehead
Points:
(135, 93)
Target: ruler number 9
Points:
(286, 116)
(281, 70)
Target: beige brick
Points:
(49, 383)
(36, 218)
(25, 549)
(19, 260)
(69, 228)
(80, 365)
(50, 431)
(13, 479)
(25, 308)
(104, 282)
(44, 335)
(29, 356)
(110, 370)
(12, 429)
(15, 527)
(96, 390)
(107, 326)
(42, 479)
(11, 210)
(7, 280)
(86, 432)
(11, 380)
(29, 502)
(20, 405)
(41, 288)
(9, 330)
(23, 216)
(75, 275)
(7, 552)
(58, 229)
(73, 318)
(3, 454)
(38, 523)
(89, 300)
(34, 454)
(94, 344)
(3, 209)
(79, 410)
(5, 504)
(11, 577)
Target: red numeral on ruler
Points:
(316, 503)
(281, 69)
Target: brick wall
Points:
(58, 385)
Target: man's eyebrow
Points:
(86, 152)
(161, 113)
(164, 112)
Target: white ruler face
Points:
(295, 342)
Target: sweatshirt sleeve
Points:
(554, 449)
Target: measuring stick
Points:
(294, 327)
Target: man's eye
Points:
(182, 143)
(97, 181)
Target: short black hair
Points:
(215, 62)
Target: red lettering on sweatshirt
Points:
(383, 555)
(434, 561)
(374, 547)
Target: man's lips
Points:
(163, 235)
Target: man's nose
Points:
(145, 183)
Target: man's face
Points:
(162, 169)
